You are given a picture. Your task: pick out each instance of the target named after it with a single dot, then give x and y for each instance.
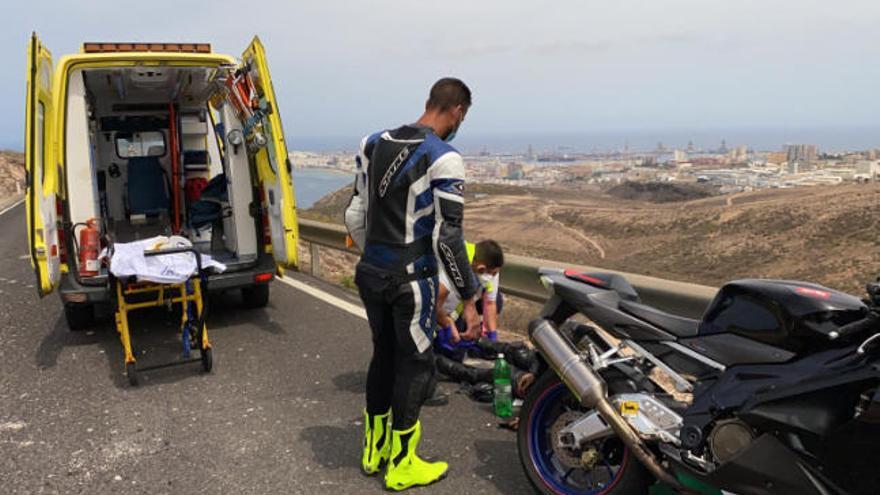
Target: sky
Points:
(344, 69)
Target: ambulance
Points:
(127, 141)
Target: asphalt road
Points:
(281, 413)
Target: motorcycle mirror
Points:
(873, 290)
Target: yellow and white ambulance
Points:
(145, 139)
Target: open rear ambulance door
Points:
(272, 162)
(42, 173)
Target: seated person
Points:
(452, 343)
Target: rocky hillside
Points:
(660, 192)
(330, 208)
(823, 234)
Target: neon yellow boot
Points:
(377, 441)
(405, 468)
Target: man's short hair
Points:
(489, 253)
(447, 93)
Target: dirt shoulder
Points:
(12, 177)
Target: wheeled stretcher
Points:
(132, 295)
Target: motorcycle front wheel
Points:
(604, 467)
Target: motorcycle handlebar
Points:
(867, 323)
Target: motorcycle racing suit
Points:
(406, 216)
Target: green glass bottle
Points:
(503, 389)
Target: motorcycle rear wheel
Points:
(550, 469)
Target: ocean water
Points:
(312, 184)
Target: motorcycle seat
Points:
(676, 325)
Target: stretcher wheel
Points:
(207, 359)
(131, 372)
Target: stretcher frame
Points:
(189, 294)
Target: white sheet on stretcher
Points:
(128, 260)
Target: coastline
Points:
(313, 183)
(329, 170)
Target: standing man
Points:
(406, 216)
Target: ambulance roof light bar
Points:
(98, 47)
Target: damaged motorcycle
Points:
(774, 391)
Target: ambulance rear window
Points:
(139, 144)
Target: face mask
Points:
(485, 279)
(449, 137)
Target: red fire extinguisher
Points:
(89, 245)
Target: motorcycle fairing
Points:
(757, 392)
(677, 325)
(768, 467)
(602, 306)
(730, 349)
(797, 316)
(807, 401)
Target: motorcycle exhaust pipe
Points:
(592, 392)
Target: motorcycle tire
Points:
(551, 474)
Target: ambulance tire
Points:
(255, 296)
(79, 316)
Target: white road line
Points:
(326, 297)
(357, 310)
(20, 201)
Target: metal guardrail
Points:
(330, 235)
(519, 277)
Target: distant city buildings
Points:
(800, 153)
(679, 156)
(738, 168)
(777, 157)
(738, 155)
(867, 170)
(336, 160)
(515, 171)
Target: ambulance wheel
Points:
(131, 372)
(255, 296)
(207, 360)
(79, 316)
